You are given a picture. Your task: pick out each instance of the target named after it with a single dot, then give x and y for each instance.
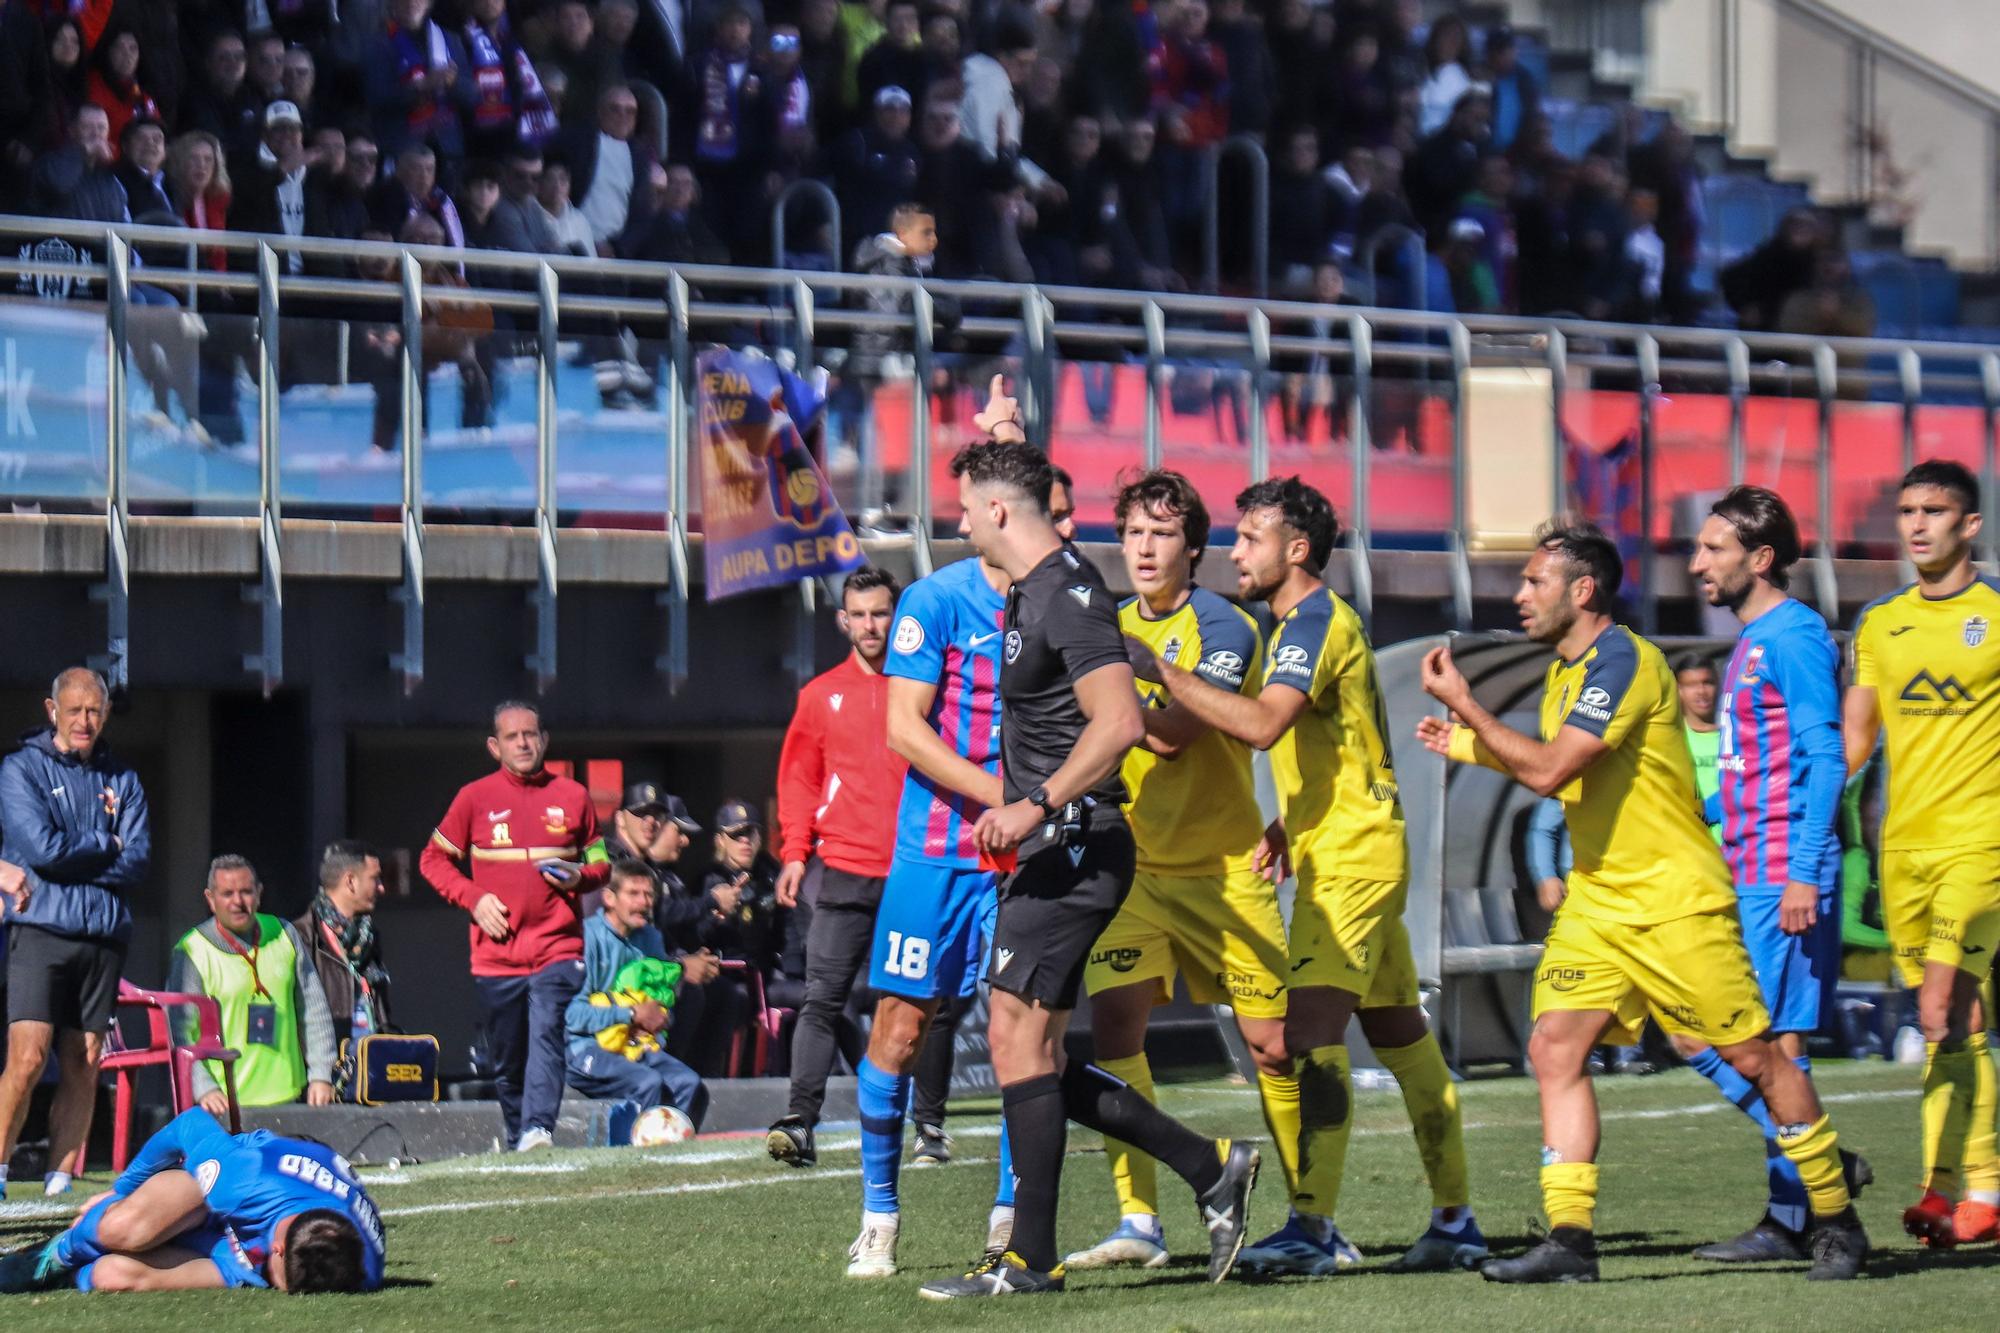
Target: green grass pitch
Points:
(712, 1235)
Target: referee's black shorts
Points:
(1053, 908)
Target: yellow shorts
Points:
(1692, 972)
(1348, 934)
(1224, 933)
(1942, 905)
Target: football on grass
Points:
(662, 1124)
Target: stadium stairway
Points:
(1915, 296)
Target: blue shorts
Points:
(1796, 972)
(930, 930)
(214, 1241)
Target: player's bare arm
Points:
(1170, 730)
(1257, 720)
(912, 736)
(1860, 725)
(1543, 767)
(1114, 725)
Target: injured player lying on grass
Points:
(203, 1208)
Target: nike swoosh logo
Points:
(1301, 963)
(1905, 629)
(978, 640)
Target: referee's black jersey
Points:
(1062, 624)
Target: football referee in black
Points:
(1069, 713)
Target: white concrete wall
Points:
(1793, 88)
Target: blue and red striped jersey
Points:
(1781, 761)
(948, 633)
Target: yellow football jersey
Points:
(1642, 853)
(1191, 814)
(1335, 775)
(1934, 664)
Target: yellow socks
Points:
(1326, 1116)
(1569, 1194)
(1281, 1116)
(1431, 1099)
(1134, 1175)
(1815, 1151)
(1947, 1111)
(1981, 1160)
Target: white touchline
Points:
(991, 1130)
(37, 1212)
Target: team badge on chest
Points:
(1975, 631)
(556, 819)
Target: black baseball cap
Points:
(649, 798)
(736, 814)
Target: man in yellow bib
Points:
(1927, 675)
(1318, 710)
(1650, 918)
(261, 976)
(1200, 906)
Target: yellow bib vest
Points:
(265, 1075)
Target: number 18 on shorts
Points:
(928, 931)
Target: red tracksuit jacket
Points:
(838, 780)
(504, 825)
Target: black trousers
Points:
(838, 941)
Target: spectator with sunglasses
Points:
(745, 923)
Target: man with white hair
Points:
(77, 839)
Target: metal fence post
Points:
(1361, 336)
(1826, 377)
(802, 326)
(1558, 373)
(923, 313)
(1460, 341)
(269, 594)
(1260, 395)
(680, 368)
(1910, 381)
(543, 660)
(1649, 387)
(410, 661)
(1154, 321)
(1737, 356)
(115, 663)
(1037, 388)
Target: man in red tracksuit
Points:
(838, 787)
(523, 831)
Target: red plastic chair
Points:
(121, 1060)
(765, 1023)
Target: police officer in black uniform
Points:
(1070, 712)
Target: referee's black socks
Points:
(1100, 1101)
(1038, 1134)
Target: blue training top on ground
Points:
(948, 633)
(1781, 762)
(252, 1182)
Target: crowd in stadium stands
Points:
(1063, 142)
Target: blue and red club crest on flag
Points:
(769, 518)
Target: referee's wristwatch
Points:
(1040, 797)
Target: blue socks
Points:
(1788, 1193)
(1003, 1193)
(79, 1245)
(884, 1101)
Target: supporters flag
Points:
(769, 519)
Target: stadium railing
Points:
(1440, 436)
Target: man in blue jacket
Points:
(645, 1075)
(75, 838)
